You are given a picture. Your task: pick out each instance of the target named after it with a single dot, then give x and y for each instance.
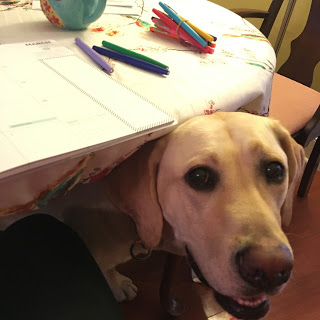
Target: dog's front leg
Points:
(121, 286)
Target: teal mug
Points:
(73, 14)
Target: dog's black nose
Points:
(265, 267)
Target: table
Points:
(237, 77)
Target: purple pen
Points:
(94, 55)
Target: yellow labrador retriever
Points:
(217, 189)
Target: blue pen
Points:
(184, 25)
(130, 60)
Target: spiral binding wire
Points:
(139, 129)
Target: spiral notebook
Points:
(54, 105)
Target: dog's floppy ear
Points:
(131, 187)
(296, 163)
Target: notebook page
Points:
(43, 117)
(138, 113)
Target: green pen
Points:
(132, 54)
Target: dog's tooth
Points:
(256, 303)
(238, 300)
(241, 301)
(262, 298)
(251, 301)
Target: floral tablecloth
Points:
(236, 77)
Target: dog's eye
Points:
(202, 178)
(274, 172)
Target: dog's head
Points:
(224, 184)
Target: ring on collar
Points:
(139, 251)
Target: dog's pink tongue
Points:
(251, 301)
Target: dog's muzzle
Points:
(249, 308)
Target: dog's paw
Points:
(121, 286)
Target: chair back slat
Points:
(267, 23)
(305, 50)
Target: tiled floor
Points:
(299, 301)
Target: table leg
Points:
(168, 301)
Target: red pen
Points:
(168, 25)
(163, 33)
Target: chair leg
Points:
(310, 170)
(170, 303)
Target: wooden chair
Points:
(269, 17)
(292, 101)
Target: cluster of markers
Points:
(172, 25)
